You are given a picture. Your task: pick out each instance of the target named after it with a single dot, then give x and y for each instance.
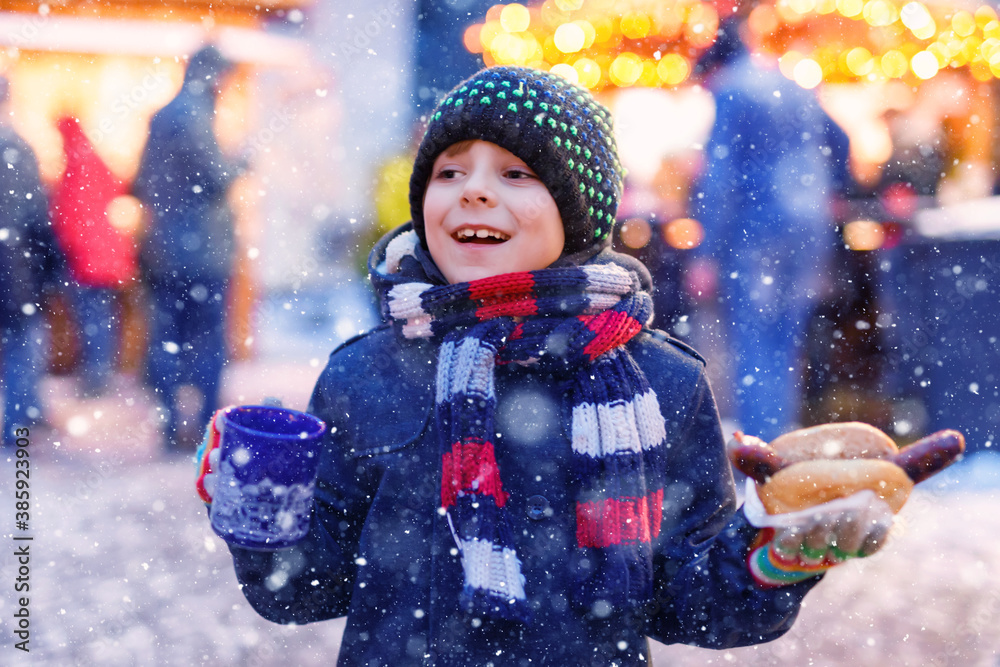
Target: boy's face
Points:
(487, 213)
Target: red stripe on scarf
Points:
(613, 329)
(471, 467)
(619, 520)
(512, 295)
(520, 308)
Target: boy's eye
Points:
(446, 173)
(519, 174)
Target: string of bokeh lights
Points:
(655, 43)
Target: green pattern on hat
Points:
(557, 128)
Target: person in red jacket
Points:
(100, 257)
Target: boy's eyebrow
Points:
(458, 148)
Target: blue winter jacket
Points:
(380, 551)
(184, 179)
(30, 258)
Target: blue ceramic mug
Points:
(268, 458)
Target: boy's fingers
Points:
(850, 531)
(788, 542)
(877, 536)
(818, 540)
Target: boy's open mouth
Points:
(487, 236)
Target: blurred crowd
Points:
(60, 246)
(764, 246)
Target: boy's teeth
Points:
(481, 233)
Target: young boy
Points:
(516, 470)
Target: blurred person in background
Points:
(187, 252)
(773, 160)
(30, 267)
(100, 257)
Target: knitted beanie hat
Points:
(558, 129)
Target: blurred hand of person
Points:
(828, 538)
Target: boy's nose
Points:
(477, 190)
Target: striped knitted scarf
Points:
(573, 322)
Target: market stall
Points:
(112, 64)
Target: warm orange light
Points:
(911, 40)
(635, 233)
(569, 38)
(471, 38)
(649, 43)
(864, 235)
(567, 72)
(635, 25)
(924, 65)
(808, 73)
(626, 69)
(673, 69)
(515, 18)
(683, 233)
(588, 72)
(125, 214)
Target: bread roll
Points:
(809, 483)
(846, 440)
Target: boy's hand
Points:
(829, 538)
(207, 458)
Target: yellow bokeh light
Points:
(589, 32)
(649, 78)
(636, 25)
(626, 69)
(567, 72)
(673, 69)
(859, 61)
(627, 43)
(569, 38)
(802, 6)
(787, 63)
(786, 12)
(826, 6)
(603, 28)
(515, 18)
(963, 23)
(588, 72)
(850, 8)
(502, 48)
(924, 65)
(917, 19)
(880, 13)
(894, 64)
(990, 49)
(985, 15)
(807, 73)
(981, 71)
(488, 33)
(926, 32)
